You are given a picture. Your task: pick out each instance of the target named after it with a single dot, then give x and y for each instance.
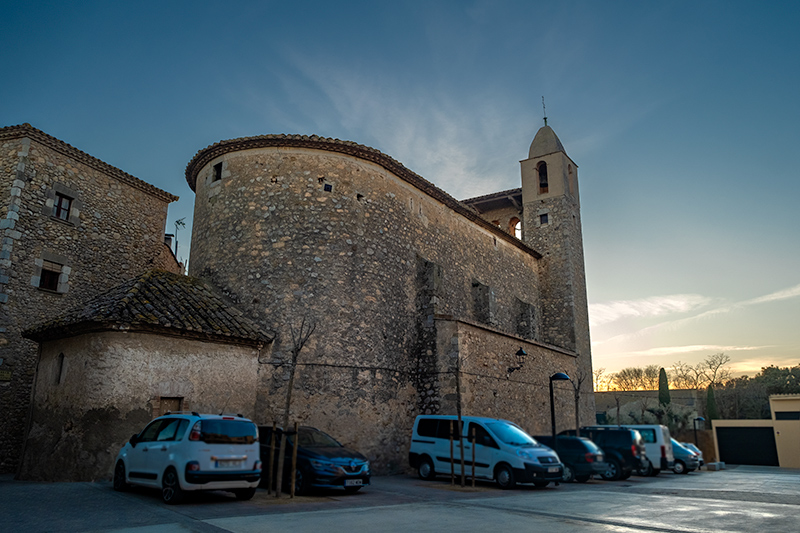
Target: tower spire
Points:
(544, 111)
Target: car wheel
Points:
(351, 490)
(504, 477)
(540, 484)
(583, 479)
(645, 470)
(568, 476)
(614, 470)
(244, 494)
(425, 469)
(171, 491)
(679, 467)
(120, 484)
(301, 482)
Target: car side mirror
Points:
(134, 439)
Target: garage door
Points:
(747, 446)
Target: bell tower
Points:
(552, 226)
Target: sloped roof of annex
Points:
(157, 302)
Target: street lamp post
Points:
(698, 419)
(558, 376)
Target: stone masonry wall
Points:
(489, 389)
(114, 231)
(107, 387)
(371, 260)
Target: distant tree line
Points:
(729, 397)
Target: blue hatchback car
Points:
(685, 459)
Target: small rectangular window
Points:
(543, 219)
(50, 274)
(173, 404)
(61, 206)
(328, 187)
(218, 171)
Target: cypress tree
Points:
(663, 388)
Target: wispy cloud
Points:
(784, 294)
(424, 127)
(606, 312)
(680, 350)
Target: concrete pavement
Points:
(737, 499)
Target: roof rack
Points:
(195, 413)
(231, 414)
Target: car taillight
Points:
(663, 451)
(193, 466)
(195, 434)
(635, 450)
(257, 466)
(589, 457)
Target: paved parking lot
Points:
(737, 499)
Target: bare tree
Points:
(599, 379)
(576, 388)
(299, 338)
(650, 377)
(686, 376)
(715, 369)
(629, 379)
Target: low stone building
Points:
(158, 342)
(72, 227)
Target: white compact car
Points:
(503, 451)
(182, 452)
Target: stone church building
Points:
(420, 303)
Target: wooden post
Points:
(452, 463)
(294, 458)
(271, 460)
(473, 457)
(281, 461)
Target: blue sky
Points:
(683, 117)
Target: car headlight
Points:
(321, 465)
(525, 454)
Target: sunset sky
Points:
(684, 119)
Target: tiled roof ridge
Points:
(26, 130)
(360, 151)
(497, 194)
(146, 303)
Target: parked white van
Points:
(503, 452)
(658, 446)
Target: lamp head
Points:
(559, 376)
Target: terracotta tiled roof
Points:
(26, 130)
(159, 302)
(492, 196)
(327, 144)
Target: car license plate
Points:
(228, 464)
(552, 469)
(352, 482)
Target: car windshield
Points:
(511, 434)
(228, 432)
(310, 438)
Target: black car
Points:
(581, 457)
(321, 461)
(623, 448)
